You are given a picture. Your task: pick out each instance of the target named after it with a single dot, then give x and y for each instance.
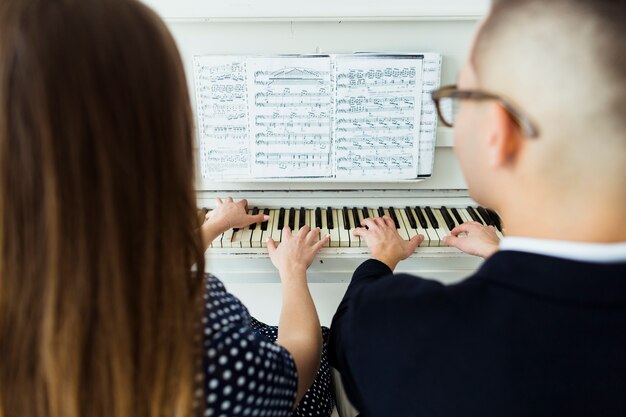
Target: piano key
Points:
(355, 241)
(227, 238)
(410, 225)
(496, 219)
(381, 212)
(303, 218)
(447, 218)
(485, 216)
(344, 233)
(431, 217)
(330, 219)
(278, 224)
(292, 219)
(443, 229)
(457, 216)
(421, 218)
(373, 212)
(400, 225)
(281, 219)
(345, 218)
(357, 218)
(324, 227)
(392, 214)
(409, 217)
(475, 217)
(246, 235)
(433, 236)
(365, 213)
(217, 242)
(318, 218)
(254, 212)
(256, 239)
(271, 226)
(334, 231)
(264, 224)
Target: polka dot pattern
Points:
(246, 373)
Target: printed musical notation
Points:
(377, 97)
(339, 116)
(222, 103)
(290, 96)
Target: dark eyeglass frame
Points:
(452, 91)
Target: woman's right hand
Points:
(295, 254)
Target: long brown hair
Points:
(98, 306)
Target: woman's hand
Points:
(384, 241)
(229, 214)
(477, 240)
(295, 254)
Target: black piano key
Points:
(447, 218)
(355, 214)
(392, 214)
(421, 218)
(474, 215)
(381, 212)
(292, 218)
(496, 219)
(409, 215)
(264, 224)
(366, 213)
(346, 218)
(486, 217)
(281, 218)
(431, 217)
(329, 218)
(255, 211)
(457, 216)
(318, 217)
(302, 221)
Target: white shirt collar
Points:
(576, 251)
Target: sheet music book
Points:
(355, 116)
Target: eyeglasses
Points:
(447, 102)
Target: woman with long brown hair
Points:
(100, 312)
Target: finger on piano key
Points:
(324, 227)
(355, 241)
(280, 217)
(256, 239)
(409, 224)
(344, 233)
(268, 227)
(333, 227)
(401, 225)
(246, 236)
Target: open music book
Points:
(358, 116)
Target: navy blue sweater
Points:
(527, 335)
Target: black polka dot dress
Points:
(246, 373)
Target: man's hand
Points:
(384, 241)
(478, 240)
(295, 254)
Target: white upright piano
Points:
(270, 27)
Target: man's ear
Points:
(505, 140)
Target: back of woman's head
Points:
(97, 233)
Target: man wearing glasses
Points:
(540, 328)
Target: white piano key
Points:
(344, 235)
(334, 232)
(324, 228)
(235, 240)
(402, 230)
(265, 234)
(246, 236)
(276, 233)
(227, 238)
(430, 234)
(355, 241)
(407, 225)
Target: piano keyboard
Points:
(432, 222)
